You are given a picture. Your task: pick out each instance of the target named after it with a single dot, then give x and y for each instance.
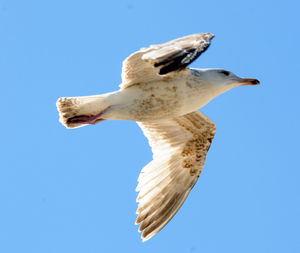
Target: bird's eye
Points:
(225, 72)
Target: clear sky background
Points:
(74, 190)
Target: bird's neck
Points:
(199, 92)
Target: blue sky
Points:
(74, 190)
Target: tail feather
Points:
(79, 111)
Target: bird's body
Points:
(163, 96)
(189, 90)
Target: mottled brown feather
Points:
(165, 183)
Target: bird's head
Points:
(226, 78)
(218, 81)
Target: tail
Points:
(79, 111)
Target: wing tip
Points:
(144, 239)
(211, 35)
(208, 35)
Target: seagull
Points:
(162, 94)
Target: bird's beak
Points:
(248, 81)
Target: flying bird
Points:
(163, 95)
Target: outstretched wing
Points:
(151, 63)
(179, 147)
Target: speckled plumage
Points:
(179, 149)
(163, 95)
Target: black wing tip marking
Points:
(179, 60)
